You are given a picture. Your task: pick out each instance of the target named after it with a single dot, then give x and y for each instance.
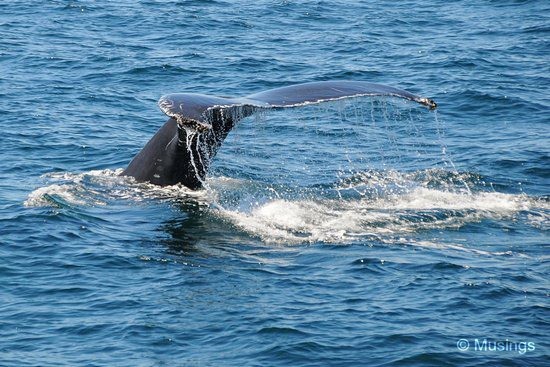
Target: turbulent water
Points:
(369, 231)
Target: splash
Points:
(382, 217)
(364, 171)
(386, 207)
(395, 178)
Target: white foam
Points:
(389, 215)
(39, 197)
(283, 221)
(99, 186)
(429, 199)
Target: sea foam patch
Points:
(98, 187)
(298, 221)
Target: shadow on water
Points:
(195, 232)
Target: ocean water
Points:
(364, 232)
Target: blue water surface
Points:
(365, 232)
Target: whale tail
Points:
(182, 149)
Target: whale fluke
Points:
(182, 149)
